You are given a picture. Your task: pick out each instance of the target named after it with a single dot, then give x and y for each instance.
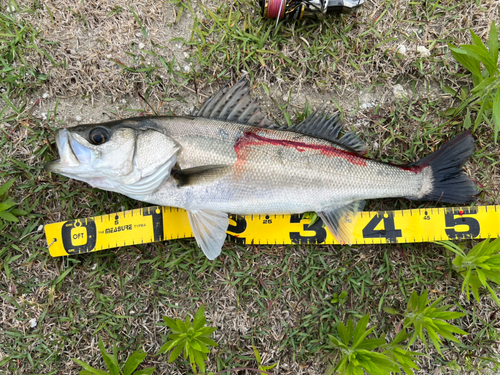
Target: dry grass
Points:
(90, 36)
(278, 298)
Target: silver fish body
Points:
(229, 158)
(273, 171)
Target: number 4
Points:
(390, 233)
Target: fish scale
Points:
(229, 158)
(271, 173)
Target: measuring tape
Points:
(153, 224)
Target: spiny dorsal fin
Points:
(352, 141)
(234, 104)
(321, 125)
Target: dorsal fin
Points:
(234, 104)
(321, 125)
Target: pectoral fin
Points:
(340, 220)
(200, 175)
(209, 229)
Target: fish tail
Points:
(443, 177)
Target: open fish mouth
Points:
(71, 154)
(67, 157)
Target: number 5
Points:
(452, 220)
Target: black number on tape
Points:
(390, 233)
(79, 236)
(454, 218)
(156, 215)
(319, 235)
(240, 227)
(241, 224)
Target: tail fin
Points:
(449, 182)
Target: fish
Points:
(228, 157)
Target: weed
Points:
(399, 353)
(259, 361)
(190, 337)
(7, 210)
(431, 319)
(376, 356)
(114, 368)
(481, 264)
(359, 353)
(484, 98)
(340, 299)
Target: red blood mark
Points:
(248, 139)
(415, 168)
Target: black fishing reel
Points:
(299, 9)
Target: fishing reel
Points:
(299, 9)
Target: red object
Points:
(273, 8)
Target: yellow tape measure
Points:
(152, 224)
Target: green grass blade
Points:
(493, 43)
(481, 54)
(89, 368)
(110, 361)
(471, 64)
(496, 113)
(5, 187)
(133, 362)
(484, 105)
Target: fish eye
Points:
(98, 136)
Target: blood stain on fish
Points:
(248, 139)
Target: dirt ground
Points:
(90, 75)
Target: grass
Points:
(17, 38)
(279, 298)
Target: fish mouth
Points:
(71, 154)
(67, 158)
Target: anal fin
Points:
(340, 220)
(209, 229)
